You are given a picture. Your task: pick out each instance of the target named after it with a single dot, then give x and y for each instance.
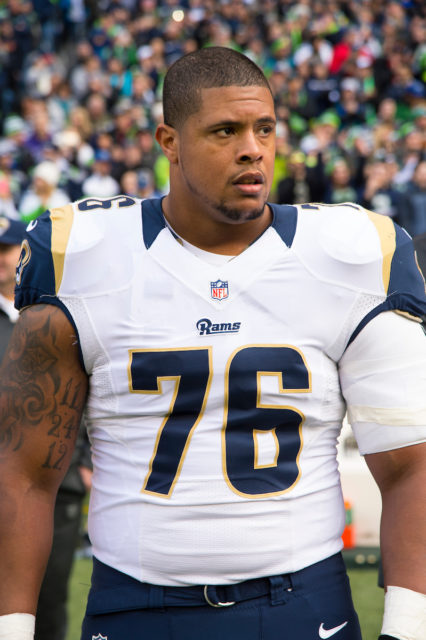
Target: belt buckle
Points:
(217, 605)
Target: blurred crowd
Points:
(81, 82)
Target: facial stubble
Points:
(230, 213)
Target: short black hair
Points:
(205, 69)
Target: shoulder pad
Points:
(83, 248)
(353, 235)
(350, 246)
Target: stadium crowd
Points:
(81, 82)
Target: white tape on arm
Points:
(17, 626)
(405, 614)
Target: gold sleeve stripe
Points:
(395, 416)
(408, 315)
(387, 236)
(62, 219)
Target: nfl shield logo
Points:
(219, 290)
(99, 637)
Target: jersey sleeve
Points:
(402, 280)
(83, 249)
(368, 263)
(41, 263)
(383, 380)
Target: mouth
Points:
(249, 183)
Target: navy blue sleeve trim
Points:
(152, 220)
(397, 302)
(405, 275)
(26, 296)
(285, 221)
(406, 291)
(35, 271)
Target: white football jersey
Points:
(215, 396)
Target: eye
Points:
(225, 132)
(266, 129)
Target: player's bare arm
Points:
(42, 394)
(401, 477)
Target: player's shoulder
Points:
(82, 246)
(353, 246)
(125, 219)
(95, 218)
(346, 232)
(63, 229)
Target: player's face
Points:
(226, 154)
(9, 256)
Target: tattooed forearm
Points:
(41, 387)
(55, 456)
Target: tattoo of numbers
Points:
(35, 392)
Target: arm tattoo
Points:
(36, 390)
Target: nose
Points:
(249, 149)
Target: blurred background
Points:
(80, 97)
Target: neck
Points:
(204, 232)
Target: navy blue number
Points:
(190, 371)
(247, 413)
(105, 203)
(318, 206)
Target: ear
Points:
(168, 139)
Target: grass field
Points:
(367, 596)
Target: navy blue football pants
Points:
(314, 603)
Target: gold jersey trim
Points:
(395, 416)
(408, 315)
(62, 219)
(387, 236)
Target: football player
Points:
(218, 341)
